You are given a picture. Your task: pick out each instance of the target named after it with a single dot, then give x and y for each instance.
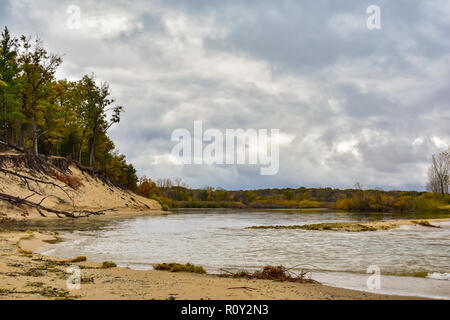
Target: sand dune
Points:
(87, 192)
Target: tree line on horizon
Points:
(177, 194)
(45, 115)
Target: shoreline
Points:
(28, 275)
(368, 226)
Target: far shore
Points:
(25, 274)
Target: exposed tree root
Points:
(26, 178)
(59, 213)
(56, 167)
(277, 273)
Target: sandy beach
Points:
(27, 275)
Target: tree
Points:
(438, 173)
(9, 85)
(148, 188)
(94, 106)
(60, 123)
(164, 185)
(38, 72)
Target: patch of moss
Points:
(108, 264)
(50, 266)
(87, 280)
(177, 267)
(363, 227)
(47, 292)
(77, 259)
(420, 274)
(33, 273)
(5, 292)
(35, 284)
(25, 253)
(57, 294)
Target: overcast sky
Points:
(352, 104)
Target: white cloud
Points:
(351, 105)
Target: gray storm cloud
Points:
(359, 105)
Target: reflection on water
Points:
(219, 239)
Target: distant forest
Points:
(176, 194)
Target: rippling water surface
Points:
(219, 239)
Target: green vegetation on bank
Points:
(374, 200)
(164, 206)
(176, 194)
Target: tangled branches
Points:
(40, 208)
(54, 167)
(277, 273)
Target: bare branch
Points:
(74, 214)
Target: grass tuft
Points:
(177, 267)
(25, 253)
(77, 259)
(108, 264)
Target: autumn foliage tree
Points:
(55, 116)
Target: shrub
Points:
(108, 264)
(77, 259)
(177, 267)
(164, 206)
(25, 252)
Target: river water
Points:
(219, 239)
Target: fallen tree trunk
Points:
(59, 213)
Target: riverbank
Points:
(27, 275)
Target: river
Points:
(219, 239)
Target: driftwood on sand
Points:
(40, 208)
